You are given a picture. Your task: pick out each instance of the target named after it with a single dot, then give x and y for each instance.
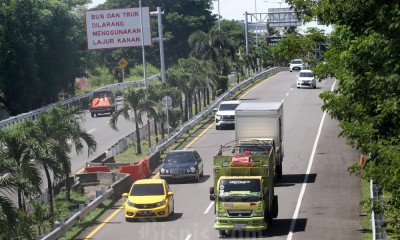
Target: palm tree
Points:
(178, 77)
(214, 46)
(8, 211)
(16, 148)
(137, 101)
(59, 129)
(55, 132)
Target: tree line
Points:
(363, 56)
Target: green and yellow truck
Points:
(243, 188)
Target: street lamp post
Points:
(219, 17)
(144, 70)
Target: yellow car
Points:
(149, 198)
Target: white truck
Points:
(256, 121)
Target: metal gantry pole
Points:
(219, 18)
(246, 26)
(144, 71)
(142, 41)
(255, 8)
(160, 35)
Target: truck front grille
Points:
(240, 213)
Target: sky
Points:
(235, 9)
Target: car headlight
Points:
(192, 169)
(162, 170)
(218, 117)
(166, 171)
(162, 203)
(131, 204)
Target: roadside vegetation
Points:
(363, 56)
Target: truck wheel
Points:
(224, 233)
(92, 114)
(217, 128)
(268, 217)
(278, 170)
(275, 207)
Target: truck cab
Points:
(243, 189)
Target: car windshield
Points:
(147, 189)
(179, 157)
(228, 106)
(296, 62)
(306, 74)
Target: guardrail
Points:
(32, 115)
(377, 220)
(202, 115)
(115, 149)
(63, 228)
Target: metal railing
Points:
(377, 219)
(32, 115)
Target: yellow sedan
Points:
(149, 198)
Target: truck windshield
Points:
(239, 186)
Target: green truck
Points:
(243, 188)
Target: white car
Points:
(306, 78)
(296, 64)
(225, 115)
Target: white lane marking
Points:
(91, 130)
(209, 207)
(291, 89)
(287, 94)
(69, 141)
(188, 237)
(303, 187)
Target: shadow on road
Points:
(279, 227)
(292, 179)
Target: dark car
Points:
(182, 164)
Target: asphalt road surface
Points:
(318, 199)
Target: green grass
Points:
(92, 219)
(367, 224)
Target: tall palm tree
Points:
(16, 148)
(55, 132)
(60, 129)
(214, 46)
(8, 211)
(178, 77)
(137, 101)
